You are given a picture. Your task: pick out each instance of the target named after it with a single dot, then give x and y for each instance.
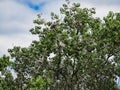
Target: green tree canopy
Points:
(75, 52)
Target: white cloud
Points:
(15, 16)
(102, 11)
(15, 22)
(10, 41)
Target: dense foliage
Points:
(74, 52)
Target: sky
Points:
(16, 17)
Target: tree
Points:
(75, 52)
(38, 83)
(6, 77)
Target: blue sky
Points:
(16, 17)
